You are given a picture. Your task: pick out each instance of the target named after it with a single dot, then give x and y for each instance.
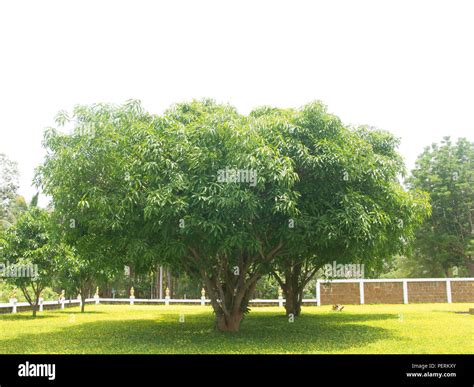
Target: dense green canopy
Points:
(33, 255)
(226, 197)
(351, 206)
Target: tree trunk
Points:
(229, 323)
(157, 282)
(83, 300)
(231, 287)
(230, 298)
(293, 301)
(35, 304)
(168, 282)
(470, 269)
(297, 275)
(291, 290)
(32, 301)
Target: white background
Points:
(403, 66)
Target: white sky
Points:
(403, 66)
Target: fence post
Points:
(361, 292)
(405, 292)
(96, 296)
(167, 297)
(41, 301)
(61, 299)
(448, 291)
(203, 297)
(13, 301)
(318, 293)
(280, 298)
(132, 295)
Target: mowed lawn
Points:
(416, 328)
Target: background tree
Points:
(446, 172)
(81, 274)
(30, 244)
(8, 190)
(86, 175)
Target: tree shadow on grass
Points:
(43, 315)
(259, 333)
(29, 317)
(78, 312)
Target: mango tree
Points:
(351, 206)
(217, 199)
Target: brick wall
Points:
(387, 292)
(427, 292)
(340, 293)
(383, 292)
(462, 291)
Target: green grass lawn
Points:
(416, 328)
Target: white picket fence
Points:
(13, 305)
